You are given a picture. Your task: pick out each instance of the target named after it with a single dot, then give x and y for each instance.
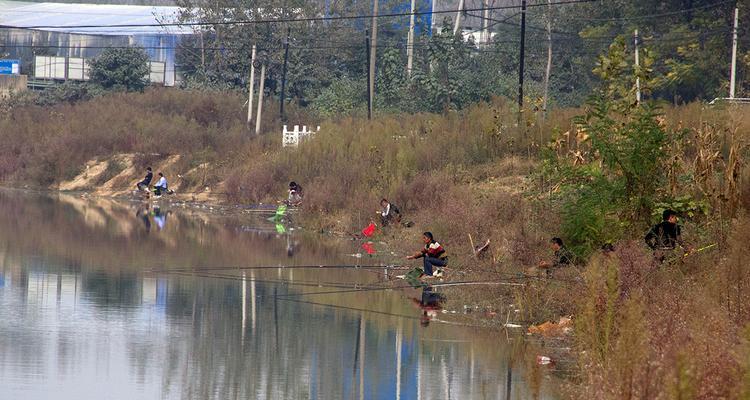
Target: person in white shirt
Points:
(161, 185)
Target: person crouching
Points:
(433, 254)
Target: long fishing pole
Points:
(465, 283)
(270, 267)
(382, 313)
(279, 281)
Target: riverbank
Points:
(636, 325)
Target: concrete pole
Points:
(733, 74)
(637, 68)
(369, 73)
(548, 71)
(486, 24)
(457, 23)
(410, 41)
(250, 91)
(260, 98)
(373, 57)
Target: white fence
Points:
(294, 137)
(77, 69)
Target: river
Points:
(105, 299)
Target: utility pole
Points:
(486, 24)
(521, 60)
(369, 71)
(283, 75)
(457, 23)
(410, 41)
(250, 91)
(549, 58)
(260, 98)
(373, 57)
(733, 74)
(637, 69)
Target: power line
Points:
(291, 20)
(650, 16)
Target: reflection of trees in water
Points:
(193, 345)
(100, 231)
(186, 335)
(101, 289)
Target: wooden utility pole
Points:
(252, 88)
(410, 41)
(521, 59)
(637, 69)
(457, 23)
(373, 56)
(369, 73)
(283, 75)
(549, 57)
(260, 98)
(733, 73)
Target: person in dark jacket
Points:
(143, 185)
(664, 237)
(563, 256)
(389, 213)
(433, 254)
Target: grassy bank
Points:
(676, 331)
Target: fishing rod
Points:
(270, 267)
(432, 320)
(465, 283)
(287, 282)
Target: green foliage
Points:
(121, 69)
(69, 92)
(685, 205)
(344, 96)
(614, 186)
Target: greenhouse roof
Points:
(62, 17)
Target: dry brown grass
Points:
(641, 332)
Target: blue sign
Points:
(10, 67)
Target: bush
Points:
(121, 69)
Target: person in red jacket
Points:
(432, 253)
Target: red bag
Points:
(369, 230)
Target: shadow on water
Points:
(135, 300)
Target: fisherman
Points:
(161, 185)
(563, 256)
(389, 213)
(433, 254)
(143, 185)
(295, 194)
(664, 237)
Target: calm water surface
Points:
(123, 300)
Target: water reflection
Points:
(83, 317)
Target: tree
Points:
(121, 69)
(609, 179)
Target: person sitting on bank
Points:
(295, 194)
(664, 237)
(143, 185)
(563, 256)
(433, 254)
(161, 185)
(389, 213)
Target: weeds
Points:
(642, 330)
